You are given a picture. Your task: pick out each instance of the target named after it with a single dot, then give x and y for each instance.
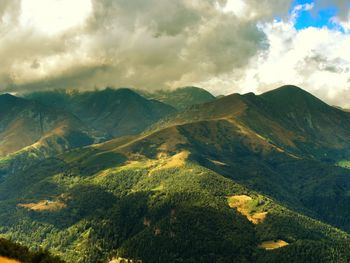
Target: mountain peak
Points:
(192, 88)
(292, 96)
(290, 87)
(8, 100)
(194, 91)
(7, 96)
(286, 90)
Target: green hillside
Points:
(25, 122)
(244, 178)
(30, 131)
(21, 254)
(114, 111)
(167, 209)
(288, 117)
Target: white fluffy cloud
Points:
(142, 43)
(313, 58)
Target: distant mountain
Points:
(181, 98)
(243, 178)
(26, 123)
(340, 108)
(117, 112)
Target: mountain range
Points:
(178, 176)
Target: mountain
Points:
(287, 117)
(117, 112)
(243, 178)
(180, 98)
(285, 143)
(340, 108)
(25, 123)
(312, 120)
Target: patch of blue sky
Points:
(315, 18)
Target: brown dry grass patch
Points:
(167, 162)
(44, 205)
(258, 218)
(177, 160)
(243, 205)
(270, 245)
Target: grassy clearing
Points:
(273, 244)
(44, 205)
(344, 164)
(249, 207)
(178, 160)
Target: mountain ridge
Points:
(288, 126)
(116, 111)
(180, 98)
(24, 123)
(216, 182)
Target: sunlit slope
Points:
(164, 208)
(248, 139)
(288, 117)
(229, 180)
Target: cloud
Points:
(142, 43)
(313, 58)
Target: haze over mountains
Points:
(176, 176)
(116, 112)
(26, 123)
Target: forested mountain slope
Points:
(229, 180)
(114, 111)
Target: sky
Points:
(224, 46)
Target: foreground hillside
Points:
(14, 253)
(243, 178)
(165, 209)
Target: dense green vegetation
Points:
(177, 214)
(164, 195)
(27, 125)
(15, 251)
